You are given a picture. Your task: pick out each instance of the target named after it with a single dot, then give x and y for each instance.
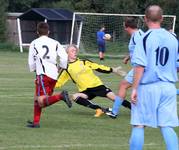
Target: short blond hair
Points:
(71, 45)
(154, 13)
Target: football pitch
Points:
(61, 128)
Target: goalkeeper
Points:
(89, 85)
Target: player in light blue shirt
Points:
(159, 48)
(178, 88)
(136, 36)
(130, 26)
(155, 61)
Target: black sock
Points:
(126, 104)
(86, 103)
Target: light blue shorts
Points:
(156, 105)
(129, 76)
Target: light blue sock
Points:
(137, 138)
(116, 105)
(177, 91)
(170, 137)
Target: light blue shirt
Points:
(133, 40)
(157, 51)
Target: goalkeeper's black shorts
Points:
(101, 91)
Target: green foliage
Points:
(123, 6)
(63, 4)
(84, 5)
(8, 47)
(101, 6)
(20, 5)
(75, 5)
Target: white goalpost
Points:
(21, 43)
(83, 34)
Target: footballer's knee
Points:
(35, 98)
(138, 126)
(124, 84)
(111, 96)
(41, 100)
(76, 95)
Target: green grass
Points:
(112, 48)
(61, 128)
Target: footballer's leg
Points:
(116, 105)
(37, 114)
(86, 103)
(101, 48)
(51, 99)
(104, 91)
(119, 100)
(137, 138)
(177, 91)
(123, 86)
(45, 101)
(170, 138)
(47, 87)
(89, 104)
(82, 99)
(41, 88)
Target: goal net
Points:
(83, 34)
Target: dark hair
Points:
(102, 26)
(42, 28)
(131, 22)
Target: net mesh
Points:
(118, 45)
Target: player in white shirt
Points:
(130, 26)
(153, 97)
(42, 60)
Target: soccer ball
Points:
(107, 36)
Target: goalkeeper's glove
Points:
(119, 71)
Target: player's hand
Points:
(134, 96)
(126, 59)
(119, 71)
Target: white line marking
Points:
(71, 145)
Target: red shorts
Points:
(44, 85)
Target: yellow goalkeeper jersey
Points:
(81, 73)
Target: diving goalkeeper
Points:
(89, 85)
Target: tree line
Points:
(170, 7)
